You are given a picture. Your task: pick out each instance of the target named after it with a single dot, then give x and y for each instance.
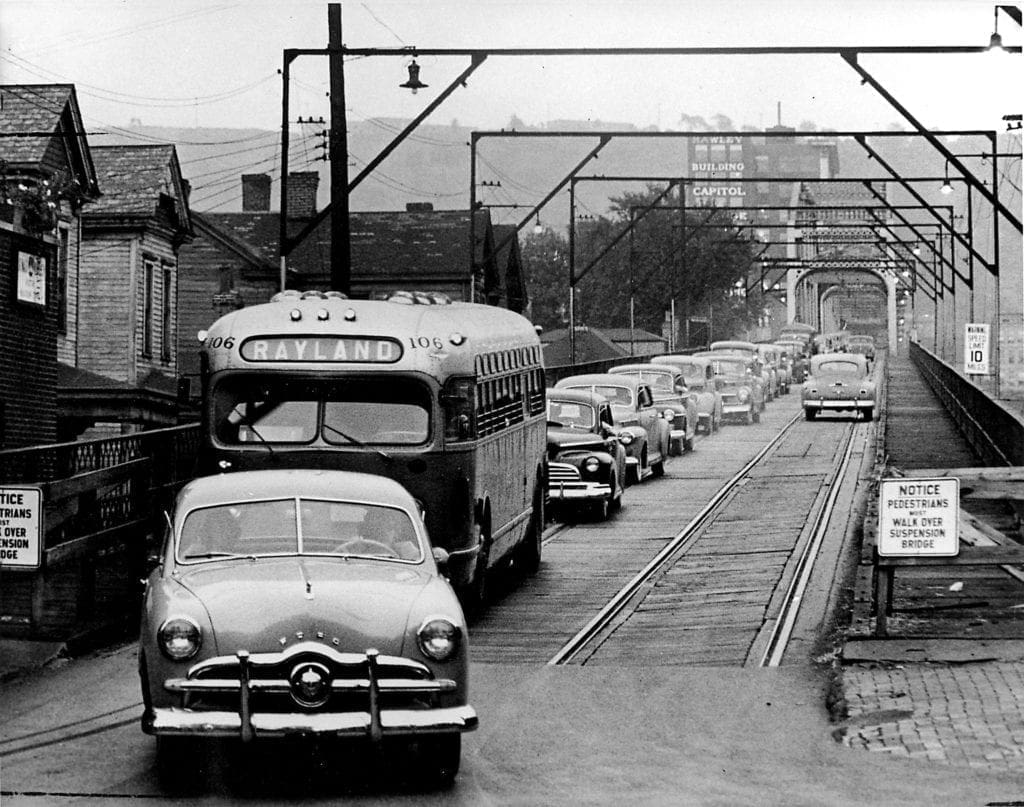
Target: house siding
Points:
(157, 249)
(107, 317)
(67, 342)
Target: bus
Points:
(446, 398)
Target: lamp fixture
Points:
(538, 228)
(917, 249)
(414, 82)
(946, 188)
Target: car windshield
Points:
(314, 527)
(617, 396)
(659, 380)
(571, 413)
(839, 367)
(727, 367)
(392, 411)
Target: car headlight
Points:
(743, 394)
(668, 414)
(625, 438)
(439, 638)
(179, 638)
(591, 464)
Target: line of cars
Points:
(612, 429)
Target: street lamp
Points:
(413, 82)
(946, 188)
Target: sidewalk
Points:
(20, 656)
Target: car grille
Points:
(562, 472)
(403, 683)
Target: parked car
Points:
(642, 430)
(862, 343)
(301, 602)
(799, 354)
(742, 389)
(839, 382)
(586, 460)
(700, 380)
(770, 359)
(785, 366)
(672, 396)
(749, 350)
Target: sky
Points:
(209, 64)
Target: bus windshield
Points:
(353, 410)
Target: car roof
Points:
(578, 395)
(850, 358)
(733, 343)
(681, 358)
(630, 368)
(862, 337)
(599, 379)
(308, 483)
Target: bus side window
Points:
(459, 402)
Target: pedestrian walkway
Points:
(949, 688)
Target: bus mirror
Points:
(465, 429)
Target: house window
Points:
(165, 322)
(148, 278)
(63, 245)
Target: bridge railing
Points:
(102, 500)
(995, 432)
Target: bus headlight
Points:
(591, 465)
(438, 638)
(179, 638)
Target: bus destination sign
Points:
(372, 350)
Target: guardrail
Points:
(102, 502)
(993, 431)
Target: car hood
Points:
(254, 604)
(565, 439)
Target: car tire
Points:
(810, 414)
(869, 413)
(658, 468)
(599, 510)
(439, 759)
(615, 502)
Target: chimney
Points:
(255, 192)
(302, 187)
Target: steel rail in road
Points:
(618, 602)
(786, 621)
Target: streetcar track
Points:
(618, 602)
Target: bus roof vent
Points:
(418, 298)
(287, 294)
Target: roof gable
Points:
(137, 180)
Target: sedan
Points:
(301, 603)
(838, 382)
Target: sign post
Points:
(976, 348)
(21, 528)
(919, 517)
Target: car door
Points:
(647, 417)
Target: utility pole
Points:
(341, 249)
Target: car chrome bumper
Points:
(736, 408)
(821, 403)
(391, 722)
(579, 491)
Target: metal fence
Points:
(995, 432)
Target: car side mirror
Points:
(440, 556)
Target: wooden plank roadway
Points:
(587, 563)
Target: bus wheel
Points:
(528, 555)
(474, 595)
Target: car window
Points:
(570, 413)
(840, 368)
(619, 396)
(322, 527)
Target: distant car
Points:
(799, 353)
(700, 380)
(301, 602)
(770, 358)
(672, 396)
(861, 343)
(749, 350)
(838, 382)
(642, 429)
(586, 461)
(741, 387)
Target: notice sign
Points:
(919, 517)
(976, 348)
(21, 533)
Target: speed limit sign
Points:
(976, 348)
